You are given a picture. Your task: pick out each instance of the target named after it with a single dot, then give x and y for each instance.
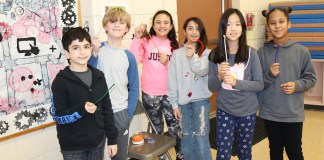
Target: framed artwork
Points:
(31, 54)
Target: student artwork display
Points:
(31, 54)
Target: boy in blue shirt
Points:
(120, 69)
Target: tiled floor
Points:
(313, 140)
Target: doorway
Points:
(209, 11)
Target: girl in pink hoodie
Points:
(154, 49)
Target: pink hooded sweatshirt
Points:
(154, 74)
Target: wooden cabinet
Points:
(315, 96)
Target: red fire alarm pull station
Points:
(249, 21)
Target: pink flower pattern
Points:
(5, 30)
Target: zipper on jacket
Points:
(90, 89)
(92, 131)
(93, 121)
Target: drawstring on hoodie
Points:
(277, 51)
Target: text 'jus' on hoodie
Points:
(155, 74)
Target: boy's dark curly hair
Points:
(72, 34)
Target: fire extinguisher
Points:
(249, 21)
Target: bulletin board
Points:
(31, 54)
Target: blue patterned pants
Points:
(243, 127)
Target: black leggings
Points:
(285, 135)
(155, 107)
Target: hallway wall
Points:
(256, 36)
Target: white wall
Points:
(141, 11)
(255, 37)
(43, 144)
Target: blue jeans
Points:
(88, 154)
(243, 127)
(195, 130)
